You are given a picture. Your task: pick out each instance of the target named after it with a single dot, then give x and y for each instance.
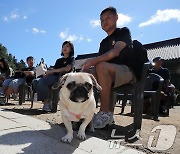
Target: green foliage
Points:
(3, 52)
(21, 64)
(12, 61)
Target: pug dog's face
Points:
(79, 91)
(78, 87)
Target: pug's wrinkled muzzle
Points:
(79, 94)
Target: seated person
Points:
(115, 65)
(4, 70)
(63, 65)
(168, 88)
(11, 85)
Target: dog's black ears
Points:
(95, 84)
(60, 82)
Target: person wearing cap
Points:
(168, 88)
(158, 69)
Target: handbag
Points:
(41, 68)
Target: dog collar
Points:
(78, 116)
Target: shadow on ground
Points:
(27, 111)
(30, 141)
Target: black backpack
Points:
(140, 56)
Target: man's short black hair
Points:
(30, 57)
(110, 9)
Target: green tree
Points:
(12, 61)
(21, 64)
(3, 52)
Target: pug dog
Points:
(77, 101)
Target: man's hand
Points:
(67, 68)
(64, 69)
(88, 63)
(18, 71)
(28, 73)
(49, 72)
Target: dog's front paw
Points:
(67, 138)
(81, 135)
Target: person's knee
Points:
(11, 84)
(42, 84)
(100, 66)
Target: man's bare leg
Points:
(9, 91)
(106, 77)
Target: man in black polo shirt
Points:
(115, 64)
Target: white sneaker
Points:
(46, 107)
(102, 119)
(2, 94)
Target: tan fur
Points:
(72, 111)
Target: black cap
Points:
(157, 59)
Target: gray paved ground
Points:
(25, 134)
(24, 130)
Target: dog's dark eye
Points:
(88, 85)
(71, 85)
